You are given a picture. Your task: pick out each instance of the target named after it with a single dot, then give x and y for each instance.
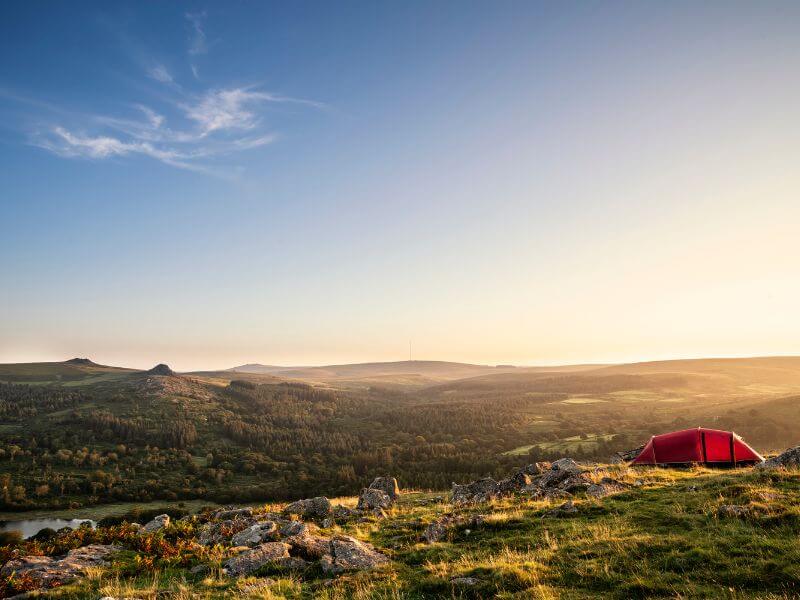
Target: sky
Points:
(298, 183)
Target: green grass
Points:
(565, 445)
(662, 539)
(100, 511)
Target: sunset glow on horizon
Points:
(306, 185)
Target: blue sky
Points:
(212, 183)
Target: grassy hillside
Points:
(71, 372)
(663, 538)
(397, 375)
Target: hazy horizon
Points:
(210, 185)
(177, 365)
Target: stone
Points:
(349, 554)
(514, 484)
(157, 524)
(309, 546)
(626, 455)
(388, 485)
(560, 470)
(440, 529)
(221, 532)
(481, 490)
(294, 528)
(574, 484)
(566, 509)
(49, 572)
(732, 511)
(437, 530)
(465, 581)
(252, 560)
(344, 513)
(372, 498)
(255, 534)
(257, 586)
(314, 508)
(228, 513)
(789, 459)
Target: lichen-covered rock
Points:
(294, 528)
(371, 498)
(252, 560)
(481, 490)
(343, 513)
(789, 459)
(221, 532)
(49, 572)
(514, 484)
(574, 484)
(440, 529)
(255, 534)
(464, 581)
(349, 554)
(229, 513)
(559, 471)
(626, 455)
(157, 524)
(388, 485)
(314, 508)
(309, 545)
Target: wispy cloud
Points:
(226, 109)
(183, 129)
(160, 73)
(197, 43)
(219, 122)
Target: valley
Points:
(77, 434)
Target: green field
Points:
(566, 446)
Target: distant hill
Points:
(406, 373)
(71, 371)
(260, 369)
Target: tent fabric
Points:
(707, 446)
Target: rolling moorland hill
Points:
(77, 434)
(399, 374)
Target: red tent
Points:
(708, 446)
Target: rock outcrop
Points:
(481, 490)
(161, 369)
(252, 560)
(313, 508)
(388, 485)
(49, 572)
(372, 498)
(626, 455)
(254, 535)
(349, 554)
(156, 524)
(309, 546)
(789, 459)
